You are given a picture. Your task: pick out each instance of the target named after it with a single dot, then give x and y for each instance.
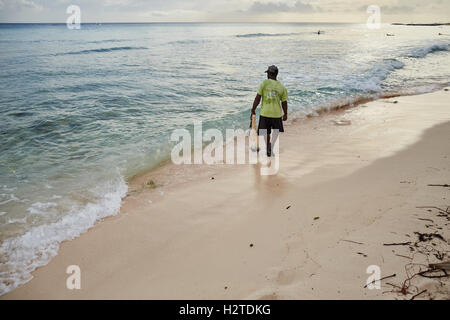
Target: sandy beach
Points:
(346, 197)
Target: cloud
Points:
(399, 9)
(113, 3)
(157, 14)
(221, 10)
(144, 4)
(396, 9)
(19, 4)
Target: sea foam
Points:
(423, 52)
(19, 256)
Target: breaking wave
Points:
(255, 35)
(21, 255)
(102, 50)
(422, 52)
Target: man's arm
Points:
(284, 105)
(256, 102)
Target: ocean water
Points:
(84, 110)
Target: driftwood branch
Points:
(397, 244)
(352, 241)
(399, 255)
(442, 266)
(431, 207)
(387, 277)
(423, 219)
(416, 295)
(425, 274)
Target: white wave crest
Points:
(19, 256)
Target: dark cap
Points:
(272, 69)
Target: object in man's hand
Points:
(253, 135)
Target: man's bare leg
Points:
(274, 140)
(268, 146)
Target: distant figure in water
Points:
(273, 93)
(390, 34)
(319, 32)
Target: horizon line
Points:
(179, 22)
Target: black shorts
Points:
(269, 124)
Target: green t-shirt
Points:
(272, 92)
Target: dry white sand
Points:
(311, 231)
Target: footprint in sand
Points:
(286, 277)
(270, 296)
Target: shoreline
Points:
(329, 154)
(435, 24)
(166, 168)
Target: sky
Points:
(354, 11)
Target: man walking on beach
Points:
(274, 98)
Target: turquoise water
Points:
(84, 110)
